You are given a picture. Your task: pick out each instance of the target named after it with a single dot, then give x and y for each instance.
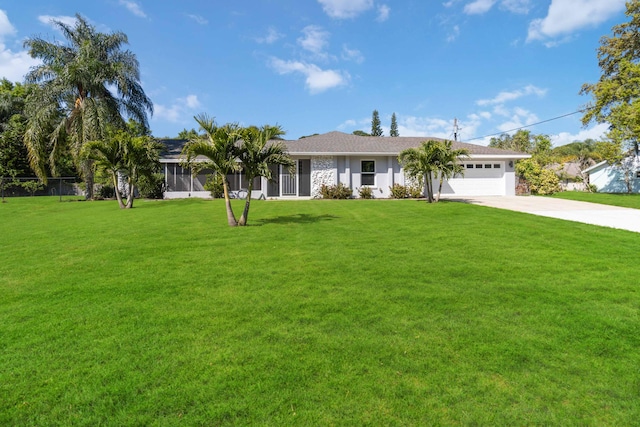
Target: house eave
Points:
(387, 154)
(595, 167)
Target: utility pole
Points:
(456, 129)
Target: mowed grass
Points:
(615, 199)
(319, 313)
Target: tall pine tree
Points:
(394, 126)
(376, 129)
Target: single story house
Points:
(616, 178)
(354, 161)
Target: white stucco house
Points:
(616, 178)
(354, 161)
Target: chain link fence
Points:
(63, 187)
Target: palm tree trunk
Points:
(429, 181)
(245, 212)
(440, 187)
(231, 218)
(132, 189)
(87, 173)
(117, 190)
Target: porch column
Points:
(390, 171)
(347, 171)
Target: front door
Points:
(288, 183)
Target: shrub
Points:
(339, 191)
(151, 187)
(214, 185)
(365, 192)
(398, 191)
(541, 181)
(105, 191)
(405, 192)
(415, 192)
(32, 186)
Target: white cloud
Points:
(567, 16)
(13, 65)
(315, 39)
(596, 132)
(175, 112)
(516, 6)
(133, 7)
(519, 118)
(191, 101)
(352, 54)
(343, 9)
(478, 7)
(317, 80)
(48, 19)
(272, 36)
(199, 19)
(6, 29)
(425, 126)
(453, 35)
(503, 97)
(383, 13)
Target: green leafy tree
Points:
(259, 149)
(220, 146)
(360, 133)
(521, 141)
(188, 134)
(83, 88)
(394, 126)
(14, 159)
(616, 95)
(376, 129)
(125, 157)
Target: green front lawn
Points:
(329, 312)
(623, 200)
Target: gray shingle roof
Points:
(343, 143)
(339, 143)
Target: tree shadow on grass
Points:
(295, 219)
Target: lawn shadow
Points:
(295, 219)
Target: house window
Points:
(368, 172)
(478, 166)
(469, 165)
(487, 166)
(638, 174)
(496, 165)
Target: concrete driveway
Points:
(588, 213)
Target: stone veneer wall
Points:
(322, 172)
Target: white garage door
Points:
(480, 179)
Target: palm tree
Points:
(74, 102)
(126, 157)
(449, 165)
(141, 159)
(260, 149)
(219, 144)
(421, 163)
(107, 155)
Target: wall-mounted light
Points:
(510, 163)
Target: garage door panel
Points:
(478, 181)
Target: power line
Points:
(528, 126)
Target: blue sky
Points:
(314, 66)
